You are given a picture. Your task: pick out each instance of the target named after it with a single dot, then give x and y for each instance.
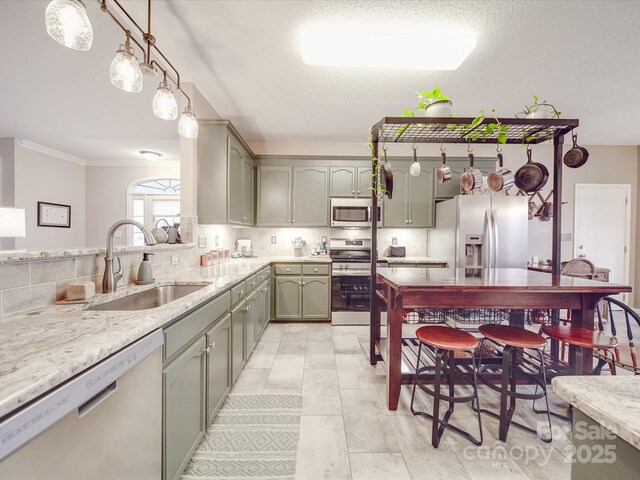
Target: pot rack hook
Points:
(442, 147)
(498, 148)
(469, 149)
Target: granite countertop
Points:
(612, 401)
(42, 348)
(413, 259)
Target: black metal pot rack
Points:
(443, 130)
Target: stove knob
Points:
(346, 267)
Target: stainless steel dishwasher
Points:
(103, 424)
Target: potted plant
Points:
(539, 109)
(434, 103)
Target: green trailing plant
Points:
(425, 98)
(478, 132)
(535, 106)
(375, 174)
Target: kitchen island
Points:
(458, 288)
(606, 425)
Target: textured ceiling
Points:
(245, 58)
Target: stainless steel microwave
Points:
(351, 212)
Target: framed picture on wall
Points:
(54, 215)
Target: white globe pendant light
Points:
(67, 23)
(125, 70)
(188, 125)
(164, 103)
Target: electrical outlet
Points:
(566, 237)
(394, 240)
(175, 259)
(217, 240)
(202, 241)
(273, 239)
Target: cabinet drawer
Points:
(263, 275)
(289, 269)
(252, 282)
(315, 269)
(238, 293)
(180, 333)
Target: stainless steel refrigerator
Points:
(481, 231)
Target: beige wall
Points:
(634, 260)
(43, 177)
(106, 196)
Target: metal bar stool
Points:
(513, 342)
(444, 342)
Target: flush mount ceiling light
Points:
(67, 23)
(149, 155)
(390, 46)
(164, 103)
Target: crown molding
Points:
(36, 147)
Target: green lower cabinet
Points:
(238, 354)
(288, 298)
(251, 321)
(263, 308)
(315, 298)
(184, 382)
(218, 366)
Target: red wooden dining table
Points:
(458, 288)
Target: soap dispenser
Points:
(145, 274)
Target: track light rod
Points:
(148, 38)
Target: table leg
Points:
(374, 334)
(582, 358)
(394, 348)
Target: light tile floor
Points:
(347, 432)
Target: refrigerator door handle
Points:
(488, 243)
(494, 221)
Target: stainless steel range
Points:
(350, 280)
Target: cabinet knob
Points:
(241, 292)
(212, 344)
(406, 221)
(294, 220)
(353, 191)
(287, 269)
(315, 270)
(358, 192)
(410, 221)
(253, 284)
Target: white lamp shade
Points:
(188, 125)
(164, 103)
(12, 222)
(67, 23)
(125, 71)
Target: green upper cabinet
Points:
(342, 181)
(225, 180)
(395, 211)
(350, 182)
(274, 198)
(310, 199)
(412, 205)
(292, 196)
(364, 182)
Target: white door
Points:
(602, 225)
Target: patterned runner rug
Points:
(253, 436)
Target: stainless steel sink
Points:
(152, 298)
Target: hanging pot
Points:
(532, 176)
(576, 156)
(160, 233)
(387, 173)
(503, 179)
(472, 178)
(547, 212)
(444, 172)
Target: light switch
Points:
(273, 239)
(217, 240)
(394, 240)
(175, 259)
(566, 237)
(202, 241)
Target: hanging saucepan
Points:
(444, 172)
(387, 173)
(577, 156)
(472, 178)
(502, 179)
(532, 176)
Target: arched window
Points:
(152, 200)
